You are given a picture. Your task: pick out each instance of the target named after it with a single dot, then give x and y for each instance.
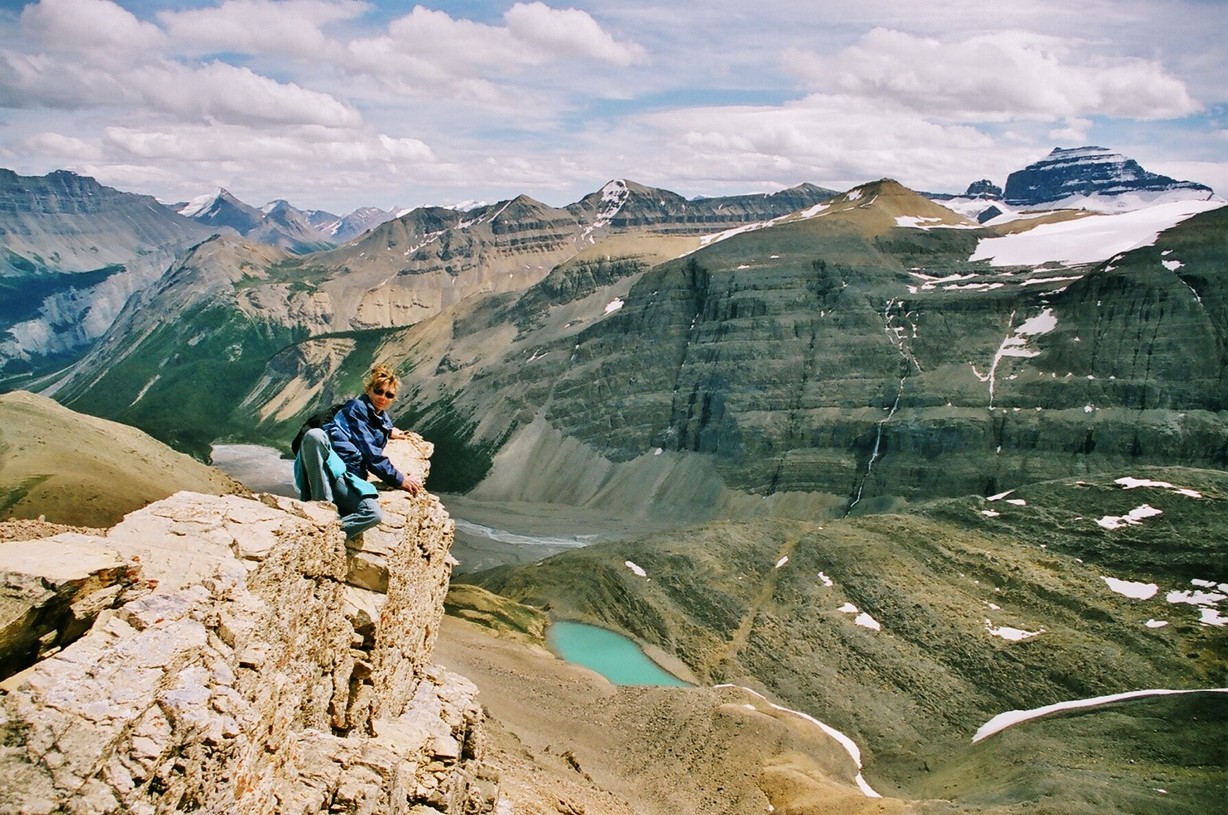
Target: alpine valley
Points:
(900, 461)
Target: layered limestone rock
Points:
(238, 657)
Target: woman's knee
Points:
(373, 509)
(316, 437)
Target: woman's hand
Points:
(398, 433)
(411, 485)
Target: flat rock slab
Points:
(52, 590)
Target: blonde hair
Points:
(383, 375)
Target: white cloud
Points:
(337, 148)
(568, 32)
(1074, 131)
(841, 140)
(69, 147)
(999, 77)
(382, 102)
(432, 45)
(1212, 173)
(222, 92)
(83, 54)
(103, 30)
(259, 165)
(293, 27)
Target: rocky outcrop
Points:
(984, 189)
(239, 656)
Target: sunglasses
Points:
(382, 392)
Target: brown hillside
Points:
(79, 470)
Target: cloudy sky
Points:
(336, 104)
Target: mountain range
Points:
(823, 350)
(280, 223)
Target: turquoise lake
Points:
(612, 655)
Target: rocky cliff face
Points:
(235, 655)
(623, 204)
(71, 253)
(857, 356)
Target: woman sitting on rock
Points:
(333, 461)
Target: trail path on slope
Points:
(768, 588)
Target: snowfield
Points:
(1090, 239)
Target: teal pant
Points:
(320, 475)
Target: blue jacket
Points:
(358, 434)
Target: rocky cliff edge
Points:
(230, 654)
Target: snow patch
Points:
(1206, 601)
(1134, 483)
(199, 204)
(1131, 518)
(917, 221)
(638, 571)
(866, 621)
(1136, 591)
(1012, 634)
(614, 305)
(862, 619)
(613, 196)
(1005, 720)
(1016, 345)
(844, 741)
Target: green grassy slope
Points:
(909, 631)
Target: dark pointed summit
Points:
(1088, 171)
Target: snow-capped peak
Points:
(613, 196)
(201, 203)
(467, 206)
